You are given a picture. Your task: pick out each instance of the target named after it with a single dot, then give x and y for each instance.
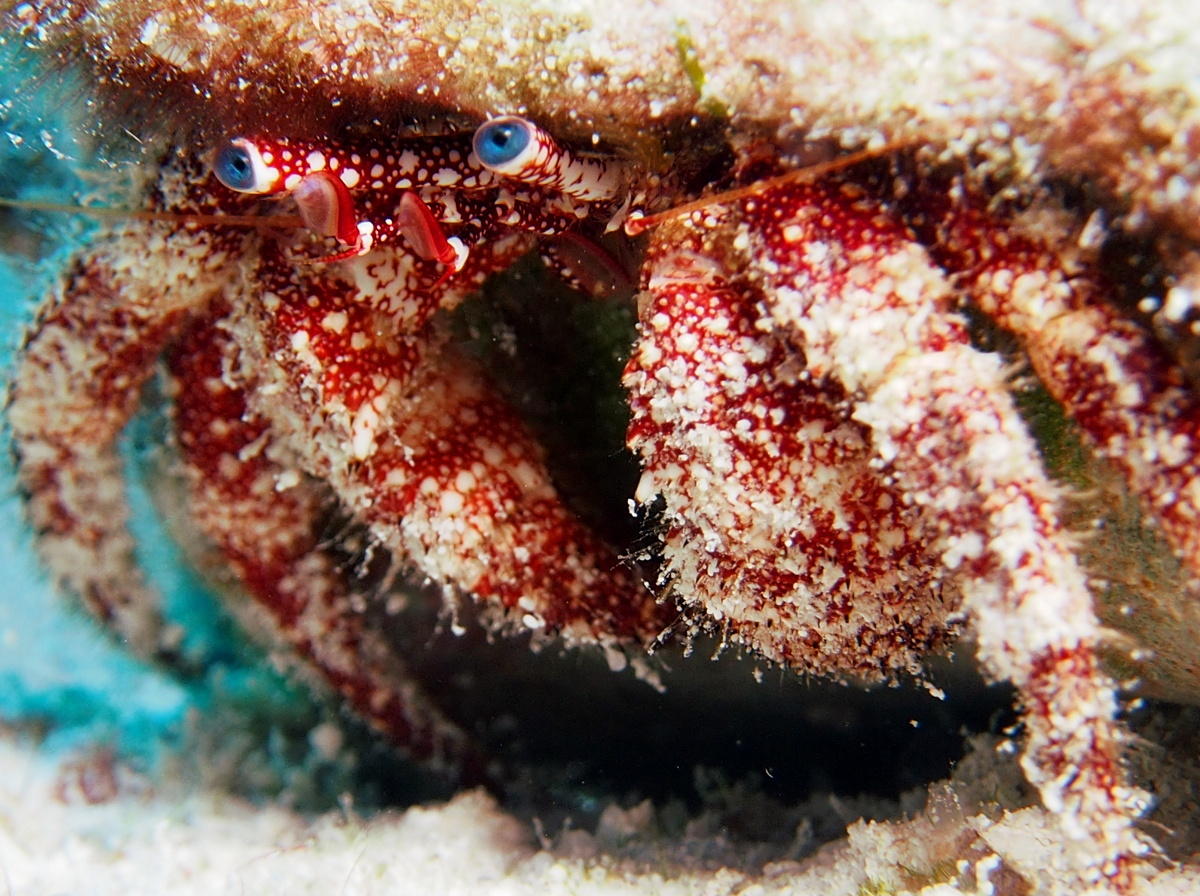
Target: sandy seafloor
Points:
(78, 714)
(203, 842)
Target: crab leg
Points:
(78, 381)
(463, 488)
(428, 455)
(267, 522)
(871, 312)
(757, 463)
(1108, 374)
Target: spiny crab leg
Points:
(870, 311)
(1107, 372)
(267, 523)
(78, 382)
(427, 455)
(775, 524)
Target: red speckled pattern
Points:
(845, 479)
(831, 392)
(947, 430)
(777, 522)
(1111, 377)
(469, 201)
(301, 389)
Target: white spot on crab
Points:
(793, 233)
(362, 432)
(451, 502)
(1179, 302)
(366, 424)
(460, 253)
(968, 546)
(286, 480)
(408, 161)
(815, 253)
(335, 321)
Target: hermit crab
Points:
(846, 479)
(299, 384)
(839, 476)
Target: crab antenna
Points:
(637, 225)
(179, 217)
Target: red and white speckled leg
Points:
(463, 489)
(776, 525)
(421, 449)
(77, 383)
(1108, 374)
(870, 311)
(267, 521)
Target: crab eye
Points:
(240, 167)
(501, 142)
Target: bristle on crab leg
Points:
(259, 222)
(462, 487)
(427, 454)
(637, 222)
(1105, 370)
(109, 325)
(872, 312)
(267, 521)
(774, 522)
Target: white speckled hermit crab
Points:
(845, 477)
(844, 474)
(300, 387)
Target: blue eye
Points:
(239, 167)
(502, 140)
